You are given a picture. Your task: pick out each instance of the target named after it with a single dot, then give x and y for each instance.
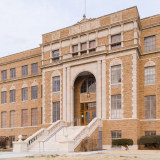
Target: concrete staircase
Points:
(52, 145)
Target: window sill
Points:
(116, 83)
(149, 84)
(56, 92)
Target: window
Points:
(34, 68)
(83, 46)
(75, 48)
(12, 119)
(150, 75)
(13, 73)
(4, 97)
(150, 107)
(91, 106)
(34, 117)
(92, 44)
(12, 96)
(24, 94)
(116, 110)
(55, 53)
(116, 38)
(24, 70)
(150, 133)
(56, 84)
(3, 119)
(34, 92)
(4, 75)
(56, 111)
(149, 43)
(116, 74)
(75, 54)
(24, 117)
(89, 85)
(115, 135)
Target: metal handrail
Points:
(54, 134)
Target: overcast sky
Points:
(22, 22)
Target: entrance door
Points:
(88, 113)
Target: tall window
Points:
(116, 39)
(25, 70)
(4, 97)
(115, 135)
(34, 92)
(116, 109)
(3, 119)
(150, 107)
(83, 48)
(56, 84)
(150, 133)
(89, 85)
(149, 43)
(56, 111)
(34, 68)
(116, 74)
(24, 94)
(12, 118)
(24, 117)
(150, 75)
(75, 48)
(12, 73)
(34, 117)
(4, 75)
(12, 96)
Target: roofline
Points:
(93, 19)
(150, 17)
(19, 52)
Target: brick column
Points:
(104, 89)
(99, 90)
(68, 95)
(64, 94)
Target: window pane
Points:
(150, 75)
(13, 73)
(116, 74)
(149, 43)
(55, 53)
(24, 117)
(34, 117)
(56, 111)
(24, 70)
(116, 110)
(3, 97)
(34, 92)
(92, 44)
(34, 68)
(4, 120)
(24, 94)
(4, 75)
(75, 48)
(12, 95)
(116, 38)
(12, 118)
(56, 84)
(83, 46)
(115, 135)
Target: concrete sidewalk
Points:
(4, 155)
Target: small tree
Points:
(123, 142)
(151, 141)
(3, 142)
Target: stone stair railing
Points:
(69, 145)
(36, 136)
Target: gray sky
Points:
(22, 22)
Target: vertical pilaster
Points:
(68, 95)
(121, 35)
(104, 109)
(99, 90)
(109, 38)
(72, 104)
(50, 53)
(135, 33)
(64, 94)
(87, 43)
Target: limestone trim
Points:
(12, 88)
(55, 73)
(115, 61)
(24, 85)
(149, 63)
(34, 84)
(3, 89)
(134, 86)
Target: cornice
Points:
(104, 52)
(151, 26)
(91, 30)
(21, 59)
(21, 78)
(151, 52)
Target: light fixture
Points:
(88, 94)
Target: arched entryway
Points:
(85, 97)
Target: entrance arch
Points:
(85, 97)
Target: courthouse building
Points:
(105, 69)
